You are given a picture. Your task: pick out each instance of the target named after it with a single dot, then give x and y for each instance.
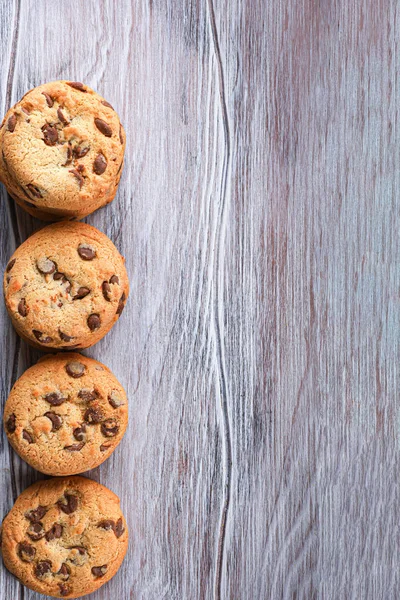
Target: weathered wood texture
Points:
(259, 214)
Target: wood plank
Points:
(155, 66)
(9, 237)
(311, 284)
(257, 213)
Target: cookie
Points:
(65, 537)
(62, 151)
(66, 414)
(65, 286)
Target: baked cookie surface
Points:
(62, 151)
(66, 414)
(65, 286)
(65, 537)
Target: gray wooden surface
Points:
(259, 214)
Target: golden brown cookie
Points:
(65, 537)
(65, 286)
(66, 414)
(62, 151)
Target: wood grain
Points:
(258, 214)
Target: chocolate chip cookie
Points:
(62, 151)
(65, 537)
(66, 414)
(65, 286)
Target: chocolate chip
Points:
(22, 308)
(54, 533)
(81, 152)
(39, 336)
(43, 567)
(34, 190)
(11, 423)
(75, 369)
(36, 515)
(49, 99)
(79, 177)
(64, 571)
(121, 304)
(36, 531)
(71, 504)
(114, 399)
(86, 252)
(87, 395)
(26, 552)
(79, 433)
(105, 447)
(93, 415)
(59, 276)
(62, 117)
(107, 104)
(103, 127)
(69, 155)
(77, 85)
(110, 427)
(65, 590)
(107, 524)
(27, 436)
(121, 137)
(94, 322)
(100, 164)
(105, 287)
(10, 265)
(68, 287)
(50, 134)
(79, 557)
(119, 528)
(99, 571)
(65, 337)
(55, 398)
(46, 266)
(74, 447)
(81, 293)
(55, 420)
(114, 279)
(11, 123)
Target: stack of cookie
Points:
(62, 151)
(64, 288)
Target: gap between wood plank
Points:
(218, 313)
(14, 225)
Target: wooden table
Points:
(258, 213)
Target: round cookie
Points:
(62, 151)
(65, 286)
(66, 414)
(65, 537)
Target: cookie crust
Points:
(65, 286)
(66, 414)
(62, 151)
(65, 537)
